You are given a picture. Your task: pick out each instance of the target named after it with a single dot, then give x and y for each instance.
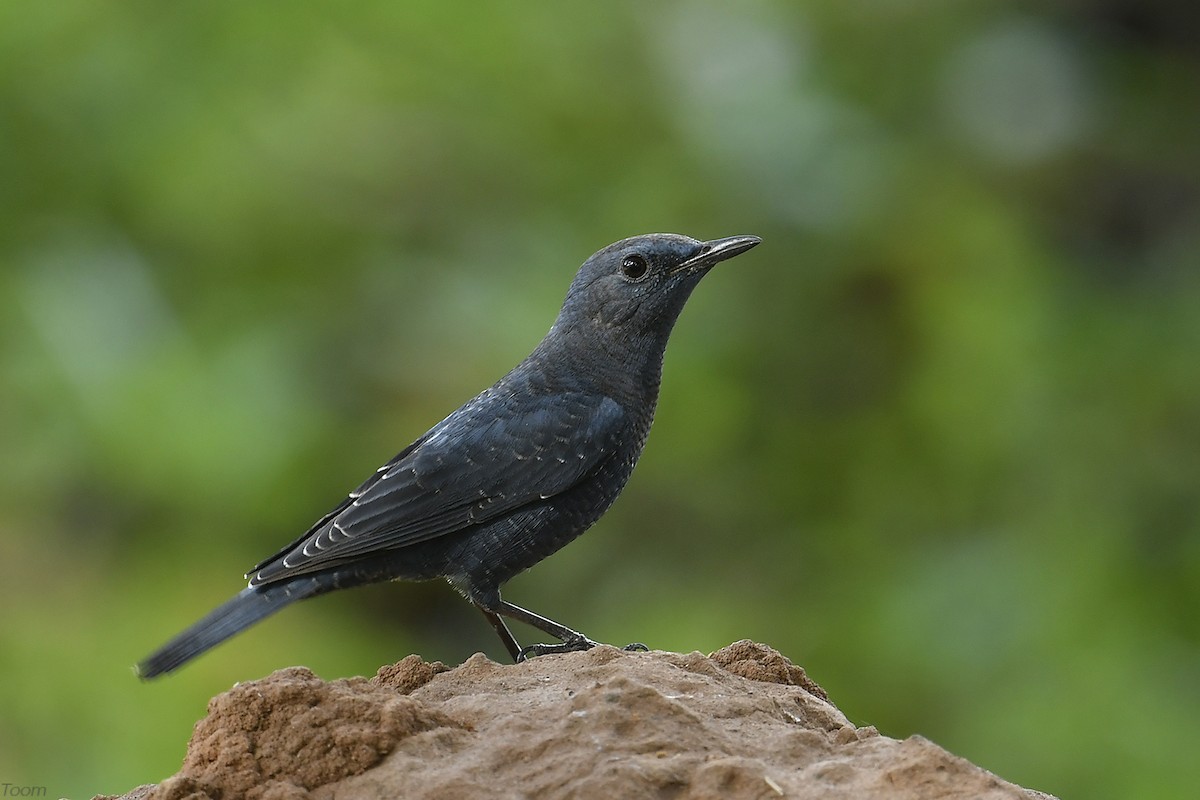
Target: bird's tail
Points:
(236, 614)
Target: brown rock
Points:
(744, 723)
(758, 662)
(407, 674)
(279, 737)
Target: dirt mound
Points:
(743, 723)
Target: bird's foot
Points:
(566, 646)
(571, 646)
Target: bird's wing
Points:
(490, 457)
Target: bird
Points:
(512, 475)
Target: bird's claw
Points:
(570, 646)
(566, 646)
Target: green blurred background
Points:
(937, 439)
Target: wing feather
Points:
(492, 456)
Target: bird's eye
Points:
(634, 267)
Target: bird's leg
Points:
(570, 640)
(493, 607)
(510, 641)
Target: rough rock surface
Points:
(742, 723)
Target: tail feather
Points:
(247, 607)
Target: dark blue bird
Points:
(511, 476)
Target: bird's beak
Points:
(718, 250)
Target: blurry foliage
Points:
(938, 439)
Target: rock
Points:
(742, 723)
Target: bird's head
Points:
(637, 286)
